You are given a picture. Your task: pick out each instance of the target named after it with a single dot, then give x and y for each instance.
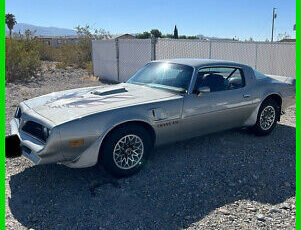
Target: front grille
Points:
(18, 113)
(34, 129)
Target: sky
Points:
(219, 18)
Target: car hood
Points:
(60, 107)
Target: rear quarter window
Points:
(259, 75)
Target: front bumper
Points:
(29, 147)
(21, 143)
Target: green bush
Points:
(22, 59)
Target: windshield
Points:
(164, 75)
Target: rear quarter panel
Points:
(266, 87)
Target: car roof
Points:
(197, 62)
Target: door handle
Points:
(247, 95)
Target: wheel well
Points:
(143, 124)
(278, 100)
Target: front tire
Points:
(126, 149)
(267, 116)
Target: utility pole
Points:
(274, 16)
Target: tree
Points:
(29, 34)
(156, 33)
(144, 35)
(85, 32)
(10, 21)
(83, 49)
(282, 36)
(182, 37)
(175, 33)
(192, 37)
(168, 36)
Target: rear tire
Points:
(125, 151)
(267, 116)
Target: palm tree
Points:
(10, 21)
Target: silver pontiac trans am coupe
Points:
(164, 102)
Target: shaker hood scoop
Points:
(109, 92)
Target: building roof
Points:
(288, 40)
(121, 35)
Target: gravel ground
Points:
(228, 180)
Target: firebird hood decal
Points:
(86, 100)
(64, 106)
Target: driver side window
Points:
(219, 78)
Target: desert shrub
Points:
(61, 65)
(47, 53)
(48, 65)
(22, 59)
(24, 54)
(72, 55)
(79, 55)
(89, 67)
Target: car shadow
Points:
(181, 184)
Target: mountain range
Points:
(41, 30)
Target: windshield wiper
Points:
(159, 86)
(136, 83)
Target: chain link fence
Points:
(182, 48)
(277, 59)
(118, 60)
(133, 54)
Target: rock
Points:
(252, 209)
(274, 210)
(285, 206)
(231, 218)
(224, 211)
(260, 217)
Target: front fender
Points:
(89, 157)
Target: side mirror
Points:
(203, 89)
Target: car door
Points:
(227, 105)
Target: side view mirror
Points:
(203, 89)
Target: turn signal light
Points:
(76, 143)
